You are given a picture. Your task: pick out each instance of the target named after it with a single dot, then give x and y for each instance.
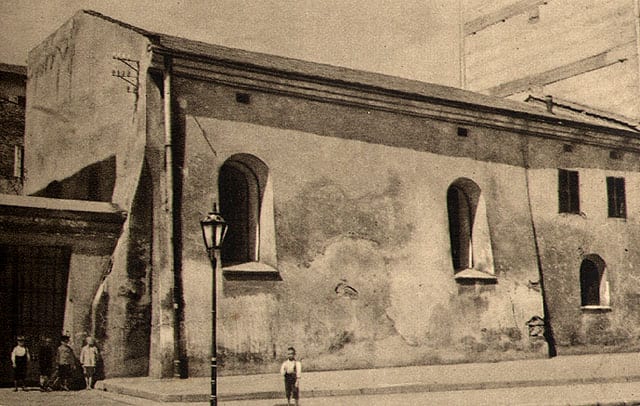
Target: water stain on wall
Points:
(323, 210)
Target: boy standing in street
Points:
(88, 358)
(291, 370)
(66, 359)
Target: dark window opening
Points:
(243, 98)
(567, 148)
(616, 197)
(568, 191)
(461, 207)
(241, 185)
(462, 132)
(235, 206)
(591, 279)
(615, 154)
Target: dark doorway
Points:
(33, 290)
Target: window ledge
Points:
(251, 271)
(595, 308)
(473, 274)
(572, 214)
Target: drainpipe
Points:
(548, 331)
(169, 251)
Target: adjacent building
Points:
(585, 52)
(12, 109)
(373, 220)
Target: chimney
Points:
(548, 100)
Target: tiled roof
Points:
(323, 73)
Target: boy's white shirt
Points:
(288, 367)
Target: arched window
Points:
(461, 209)
(471, 253)
(594, 287)
(241, 183)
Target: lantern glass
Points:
(214, 229)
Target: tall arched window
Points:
(241, 184)
(471, 252)
(461, 213)
(594, 287)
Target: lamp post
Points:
(214, 229)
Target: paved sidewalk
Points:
(559, 371)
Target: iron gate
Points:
(33, 290)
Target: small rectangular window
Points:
(615, 154)
(17, 161)
(568, 191)
(243, 98)
(616, 197)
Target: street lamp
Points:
(214, 229)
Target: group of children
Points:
(64, 359)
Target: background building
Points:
(12, 109)
(585, 52)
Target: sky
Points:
(414, 39)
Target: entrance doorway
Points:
(33, 290)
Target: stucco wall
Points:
(79, 114)
(566, 239)
(371, 216)
(355, 197)
(74, 98)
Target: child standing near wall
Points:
(291, 370)
(20, 358)
(66, 360)
(89, 358)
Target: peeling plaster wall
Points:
(78, 114)
(358, 232)
(567, 238)
(81, 288)
(359, 214)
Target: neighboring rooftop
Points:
(587, 113)
(10, 202)
(14, 69)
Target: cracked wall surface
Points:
(362, 239)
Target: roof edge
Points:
(339, 76)
(121, 23)
(20, 70)
(80, 206)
